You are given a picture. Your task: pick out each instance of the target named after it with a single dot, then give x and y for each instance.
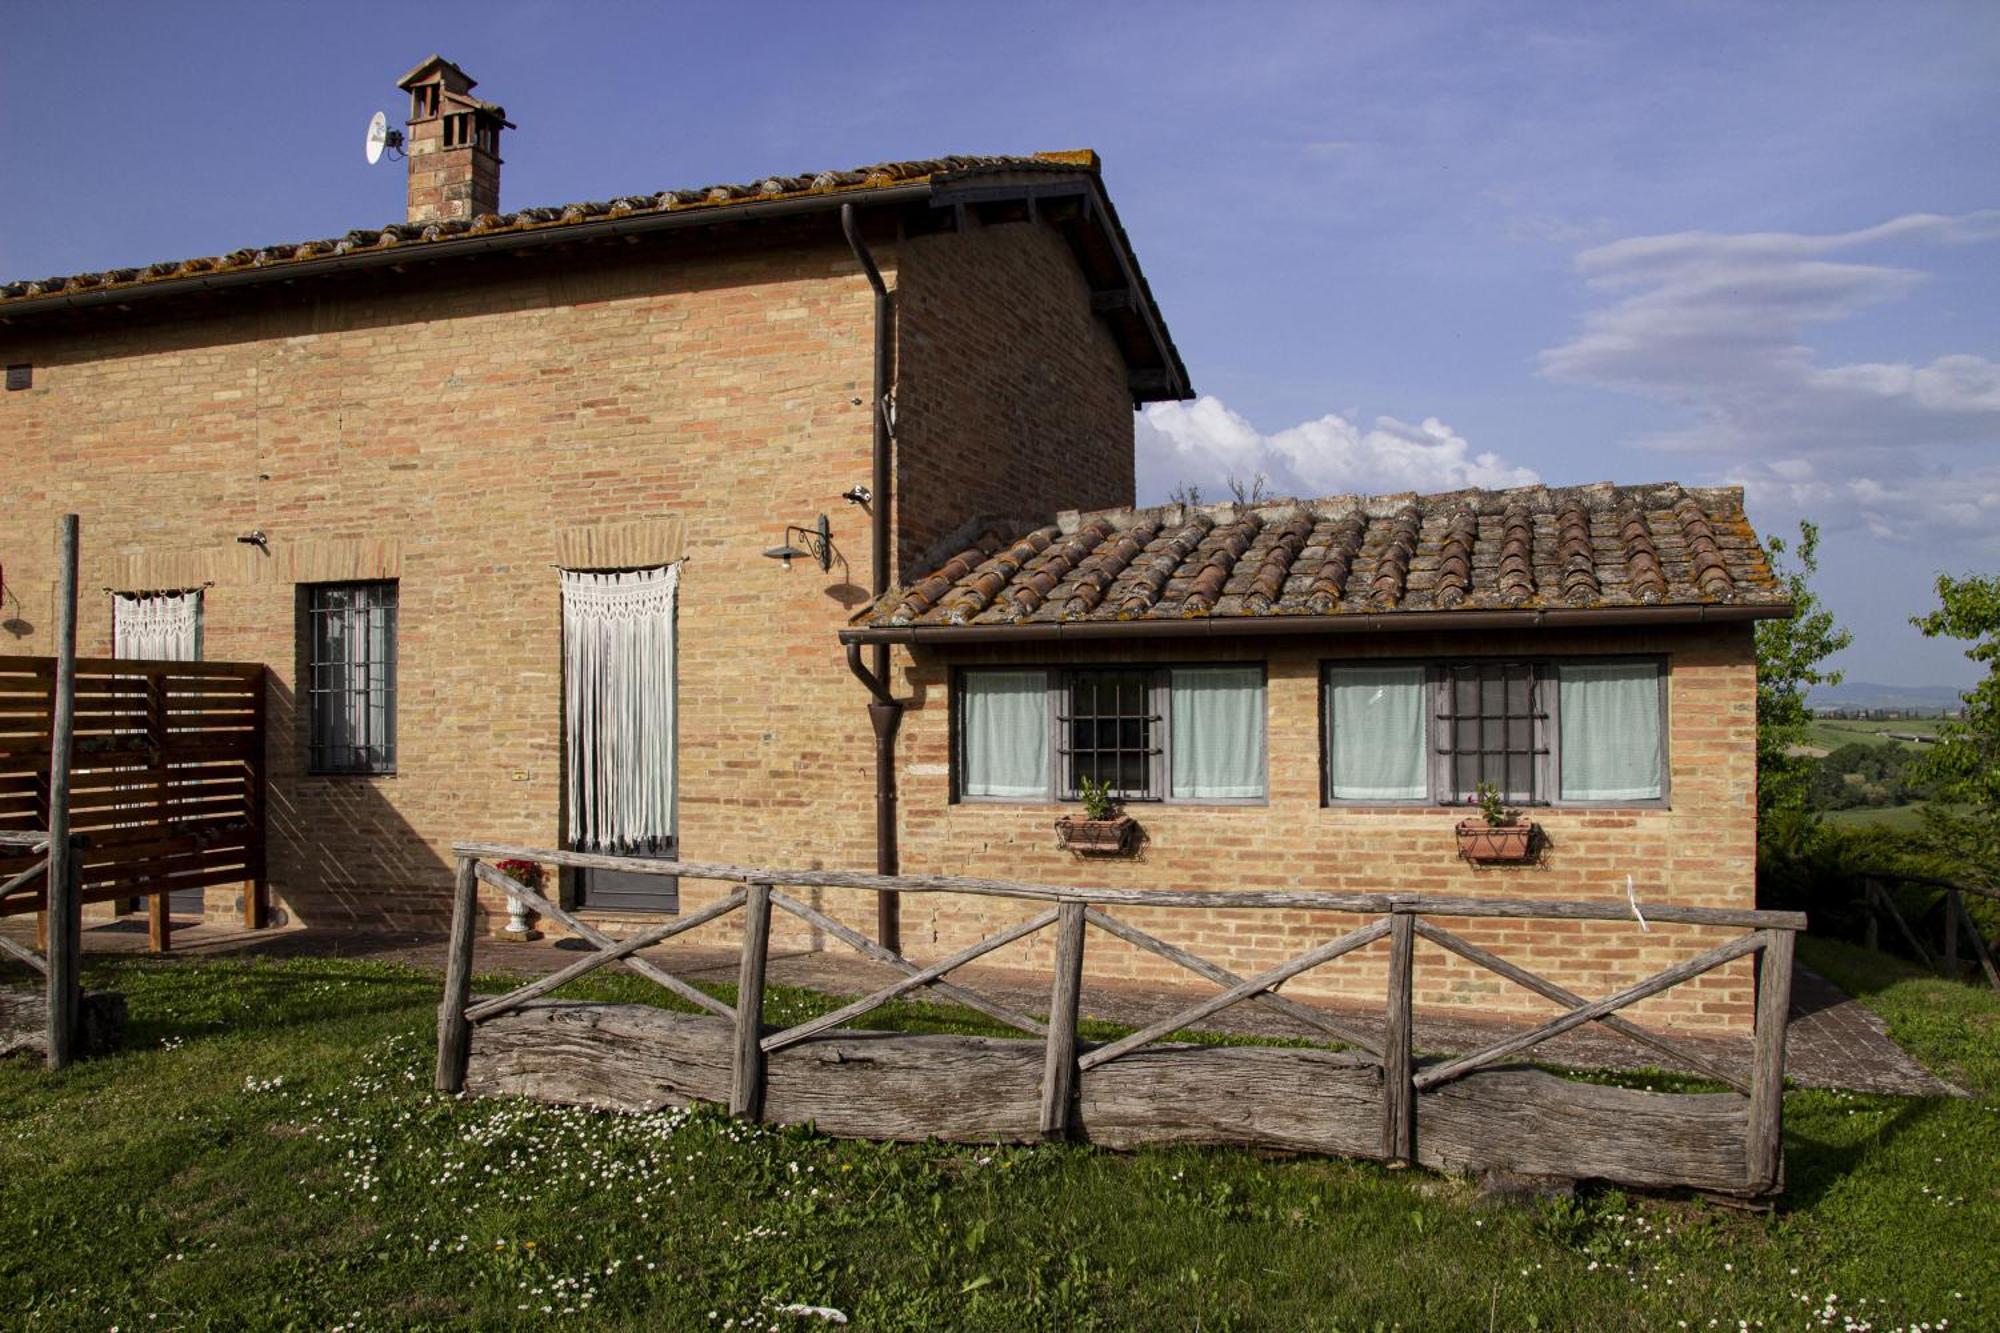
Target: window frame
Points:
(1056, 678)
(1548, 764)
(315, 765)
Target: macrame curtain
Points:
(159, 627)
(618, 688)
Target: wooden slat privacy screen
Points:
(167, 780)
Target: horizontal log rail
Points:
(1408, 1091)
(1364, 904)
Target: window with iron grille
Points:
(351, 677)
(1181, 733)
(1110, 732)
(1576, 731)
(1489, 730)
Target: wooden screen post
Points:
(454, 1031)
(257, 889)
(746, 1088)
(65, 899)
(1767, 1074)
(1059, 1059)
(159, 923)
(1399, 1093)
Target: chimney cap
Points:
(431, 63)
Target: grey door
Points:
(625, 891)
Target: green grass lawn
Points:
(1832, 733)
(1907, 818)
(266, 1153)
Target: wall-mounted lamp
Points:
(814, 543)
(857, 495)
(256, 539)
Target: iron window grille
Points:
(1490, 727)
(1112, 729)
(351, 677)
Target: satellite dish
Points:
(380, 136)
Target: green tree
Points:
(1963, 768)
(1789, 657)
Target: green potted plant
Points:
(1102, 831)
(1499, 834)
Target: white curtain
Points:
(618, 693)
(1005, 721)
(1610, 728)
(160, 627)
(1217, 732)
(1379, 748)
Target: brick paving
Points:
(1834, 1041)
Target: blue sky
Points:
(1400, 246)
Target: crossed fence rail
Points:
(1400, 919)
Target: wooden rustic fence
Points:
(1374, 1099)
(1953, 913)
(166, 778)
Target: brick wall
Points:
(1010, 403)
(468, 424)
(463, 424)
(1700, 852)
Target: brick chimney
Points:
(453, 144)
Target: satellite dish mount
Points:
(382, 139)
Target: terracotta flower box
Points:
(1097, 837)
(1484, 842)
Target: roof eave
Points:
(1384, 622)
(1172, 384)
(553, 233)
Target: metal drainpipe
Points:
(885, 714)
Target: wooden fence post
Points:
(746, 1090)
(1951, 911)
(1979, 949)
(454, 1032)
(1059, 1058)
(1767, 1074)
(65, 899)
(1399, 1094)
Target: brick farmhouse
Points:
(396, 467)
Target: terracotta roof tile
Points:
(879, 176)
(1599, 546)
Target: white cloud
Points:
(1204, 443)
(1717, 324)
